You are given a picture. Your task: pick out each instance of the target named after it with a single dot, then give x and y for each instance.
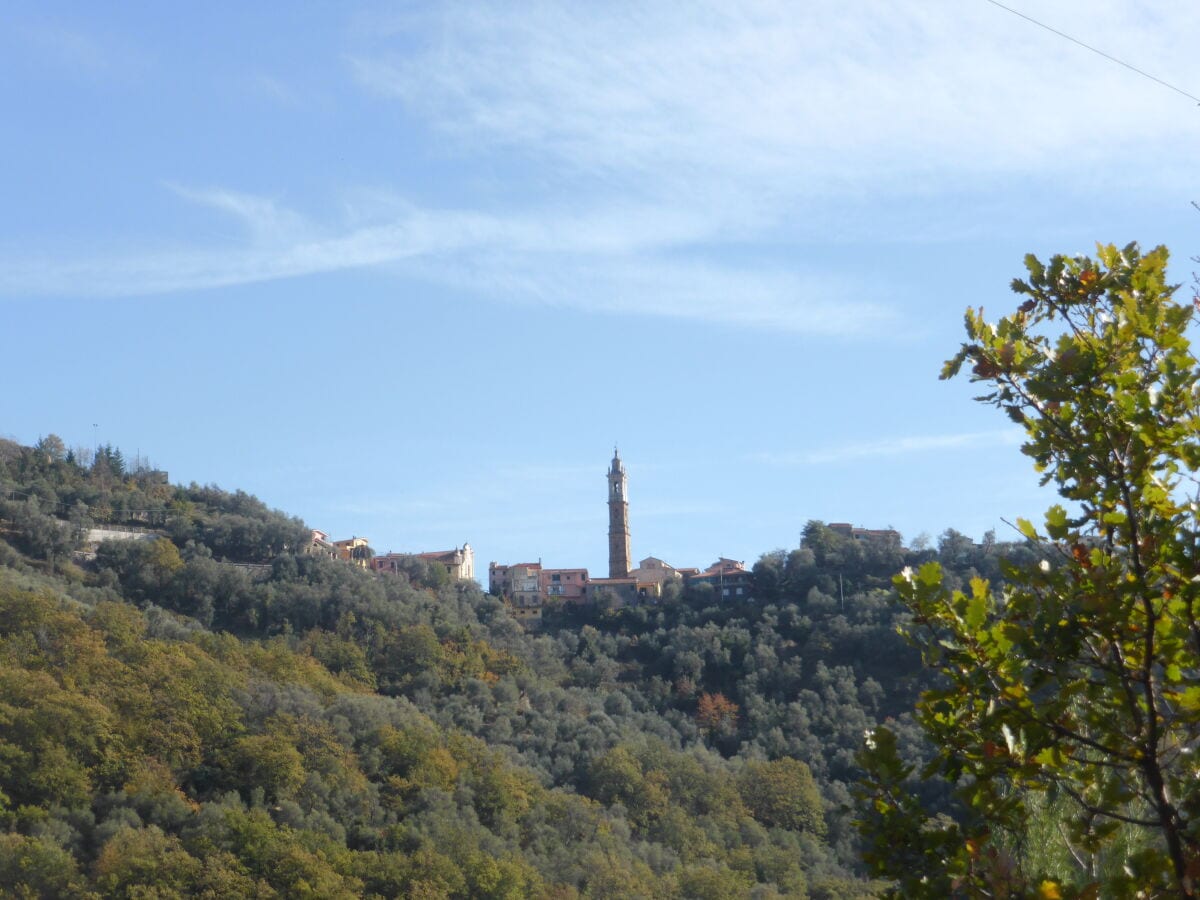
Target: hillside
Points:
(179, 724)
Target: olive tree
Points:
(1074, 684)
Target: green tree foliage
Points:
(38, 867)
(782, 792)
(1078, 680)
(52, 447)
(36, 532)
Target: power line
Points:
(1119, 62)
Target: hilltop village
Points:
(528, 587)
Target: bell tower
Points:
(618, 519)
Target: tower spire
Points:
(619, 556)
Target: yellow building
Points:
(356, 550)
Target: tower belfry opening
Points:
(619, 555)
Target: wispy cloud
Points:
(266, 219)
(603, 261)
(275, 89)
(769, 100)
(890, 446)
(69, 48)
(649, 147)
(791, 300)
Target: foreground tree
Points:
(1077, 682)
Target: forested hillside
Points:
(174, 722)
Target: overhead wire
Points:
(1111, 58)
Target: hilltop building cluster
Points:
(528, 587)
(879, 535)
(459, 562)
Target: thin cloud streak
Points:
(769, 299)
(267, 220)
(75, 51)
(892, 446)
(602, 262)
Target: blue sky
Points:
(409, 271)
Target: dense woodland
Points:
(177, 723)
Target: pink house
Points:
(564, 585)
